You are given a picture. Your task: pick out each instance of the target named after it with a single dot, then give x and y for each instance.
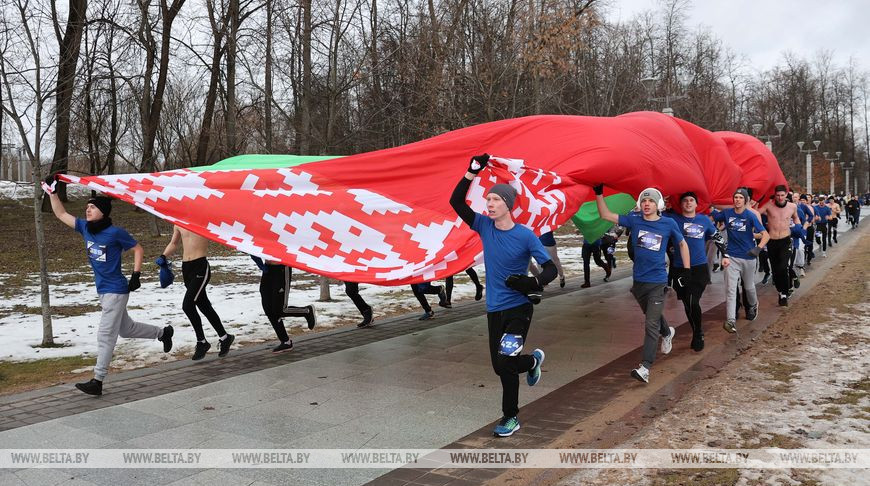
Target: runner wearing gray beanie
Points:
(506, 192)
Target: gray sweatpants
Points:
(113, 323)
(651, 298)
(739, 269)
(799, 257)
(554, 255)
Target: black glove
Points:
(754, 251)
(523, 284)
(49, 184)
(598, 189)
(477, 163)
(134, 281)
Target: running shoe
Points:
(311, 317)
(506, 427)
(166, 338)
(668, 341)
(562, 282)
(224, 345)
(801, 272)
(765, 279)
(534, 374)
(730, 326)
(283, 347)
(426, 316)
(92, 387)
(783, 300)
(796, 282)
(698, 342)
(478, 292)
(200, 350)
(641, 373)
(752, 313)
(585, 285)
(442, 298)
(368, 319)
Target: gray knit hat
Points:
(506, 192)
(743, 192)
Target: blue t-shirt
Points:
(696, 230)
(104, 253)
(506, 253)
(650, 239)
(822, 212)
(802, 213)
(740, 229)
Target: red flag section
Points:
(383, 217)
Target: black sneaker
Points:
(442, 298)
(447, 305)
(426, 316)
(311, 317)
(224, 345)
(283, 347)
(783, 300)
(368, 319)
(752, 313)
(585, 285)
(715, 267)
(166, 338)
(478, 292)
(796, 282)
(697, 342)
(561, 282)
(93, 387)
(201, 349)
(765, 279)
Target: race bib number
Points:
(510, 345)
(96, 252)
(736, 224)
(693, 230)
(649, 240)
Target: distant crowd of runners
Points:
(670, 247)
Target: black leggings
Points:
(352, 291)
(594, 251)
(832, 230)
(196, 275)
(420, 291)
(822, 228)
(510, 321)
(780, 252)
(448, 283)
(699, 277)
(274, 289)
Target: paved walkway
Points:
(404, 383)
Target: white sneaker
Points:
(824, 255)
(640, 373)
(668, 342)
(801, 272)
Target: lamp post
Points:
(848, 167)
(809, 162)
(650, 85)
(832, 161)
(756, 129)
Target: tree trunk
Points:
(305, 117)
(324, 290)
(267, 109)
(232, 41)
(45, 296)
(69, 47)
(202, 146)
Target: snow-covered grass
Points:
(24, 190)
(237, 301)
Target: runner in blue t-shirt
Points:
(741, 225)
(696, 229)
(651, 234)
(510, 292)
(104, 244)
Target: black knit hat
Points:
(103, 203)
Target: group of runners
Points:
(670, 247)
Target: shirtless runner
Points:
(197, 273)
(780, 216)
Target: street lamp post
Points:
(650, 85)
(847, 168)
(809, 162)
(768, 139)
(832, 161)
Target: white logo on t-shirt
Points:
(737, 224)
(693, 230)
(96, 252)
(649, 240)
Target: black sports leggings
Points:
(274, 290)
(196, 275)
(448, 283)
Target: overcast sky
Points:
(763, 30)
